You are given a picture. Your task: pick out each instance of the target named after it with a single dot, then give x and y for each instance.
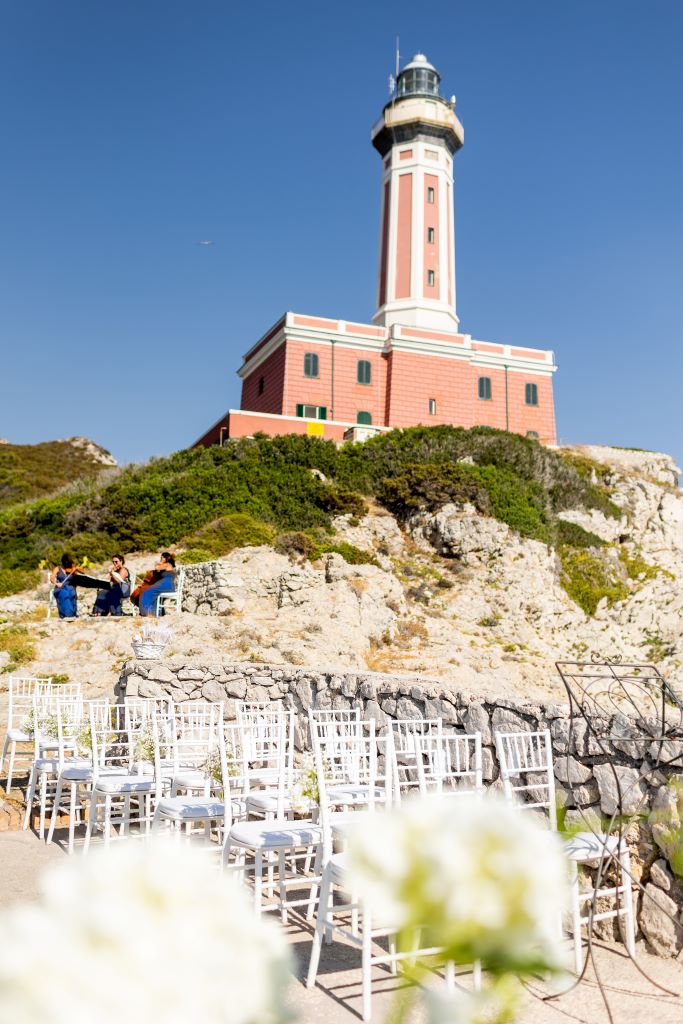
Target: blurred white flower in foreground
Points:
(141, 932)
(485, 880)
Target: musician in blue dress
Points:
(161, 580)
(64, 591)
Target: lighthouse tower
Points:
(417, 137)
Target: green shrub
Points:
(296, 544)
(588, 576)
(575, 535)
(430, 486)
(28, 471)
(224, 535)
(13, 581)
(349, 552)
(17, 641)
(492, 490)
(637, 568)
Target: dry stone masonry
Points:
(586, 778)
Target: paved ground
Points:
(336, 999)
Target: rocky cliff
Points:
(454, 595)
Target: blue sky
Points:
(132, 130)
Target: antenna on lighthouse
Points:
(398, 57)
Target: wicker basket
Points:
(148, 649)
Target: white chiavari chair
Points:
(528, 777)
(122, 794)
(21, 693)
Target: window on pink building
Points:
(485, 389)
(430, 195)
(364, 417)
(531, 394)
(432, 407)
(430, 278)
(311, 364)
(430, 234)
(364, 372)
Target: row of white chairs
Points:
(147, 770)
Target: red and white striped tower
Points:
(417, 138)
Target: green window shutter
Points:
(322, 412)
(364, 417)
(299, 410)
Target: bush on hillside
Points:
(588, 576)
(28, 471)
(269, 480)
(224, 535)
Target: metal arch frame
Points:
(598, 692)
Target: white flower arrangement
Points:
(114, 945)
(46, 722)
(152, 640)
(304, 791)
(483, 881)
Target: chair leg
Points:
(258, 881)
(55, 811)
(625, 865)
(10, 769)
(4, 753)
(92, 818)
(30, 797)
(366, 966)
(43, 802)
(576, 919)
(107, 819)
(393, 965)
(319, 929)
(282, 877)
(73, 792)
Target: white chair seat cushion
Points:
(189, 778)
(19, 736)
(124, 784)
(350, 794)
(81, 771)
(275, 834)
(265, 803)
(586, 847)
(182, 808)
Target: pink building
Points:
(412, 365)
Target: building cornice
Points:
(409, 339)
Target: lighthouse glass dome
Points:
(418, 78)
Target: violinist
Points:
(64, 589)
(159, 580)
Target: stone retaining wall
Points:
(585, 775)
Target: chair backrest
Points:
(22, 690)
(66, 691)
(339, 724)
(179, 584)
(405, 763)
(366, 760)
(116, 742)
(142, 708)
(248, 709)
(72, 716)
(449, 764)
(194, 733)
(526, 770)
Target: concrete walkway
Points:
(336, 998)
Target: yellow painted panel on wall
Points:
(318, 429)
